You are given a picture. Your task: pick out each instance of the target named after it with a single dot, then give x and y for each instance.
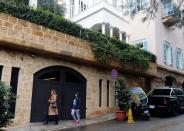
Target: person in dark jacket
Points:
(75, 111)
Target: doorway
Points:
(66, 81)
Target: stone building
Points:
(35, 59)
(158, 35)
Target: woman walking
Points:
(53, 110)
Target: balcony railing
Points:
(170, 14)
(168, 10)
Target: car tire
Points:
(174, 110)
(146, 118)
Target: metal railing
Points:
(168, 10)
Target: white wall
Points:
(140, 30)
(156, 33)
(90, 3)
(102, 13)
(173, 35)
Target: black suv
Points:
(164, 99)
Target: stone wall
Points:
(178, 77)
(20, 34)
(29, 65)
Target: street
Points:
(163, 123)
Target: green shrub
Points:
(18, 2)
(6, 97)
(104, 47)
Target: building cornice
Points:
(169, 70)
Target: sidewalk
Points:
(61, 125)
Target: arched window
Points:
(71, 78)
(52, 76)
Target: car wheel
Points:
(146, 118)
(174, 110)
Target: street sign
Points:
(114, 73)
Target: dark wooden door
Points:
(40, 100)
(68, 94)
(66, 82)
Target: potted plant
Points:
(123, 96)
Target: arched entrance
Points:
(170, 81)
(66, 82)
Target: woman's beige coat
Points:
(53, 101)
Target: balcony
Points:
(170, 14)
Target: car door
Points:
(180, 95)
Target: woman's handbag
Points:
(54, 105)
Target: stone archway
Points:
(170, 81)
(66, 82)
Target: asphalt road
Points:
(157, 123)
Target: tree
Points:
(6, 98)
(150, 11)
(22, 2)
(52, 6)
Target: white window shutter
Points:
(132, 7)
(177, 59)
(164, 55)
(144, 4)
(182, 61)
(145, 45)
(171, 56)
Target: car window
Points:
(179, 92)
(161, 92)
(173, 92)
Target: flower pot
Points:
(120, 115)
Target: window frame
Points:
(136, 6)
(72, 8)
(179, 65)
(143, 41)
(169, 54)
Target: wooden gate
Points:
(66, 82)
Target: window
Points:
(72, 8)
(100, 92)
(161, 92)
(142, 44)
(137, 5)
(72, 78)
(82, 6)
(168, 54)
(179, 92)
(108, 82)
(179, 58)
(50, 76)
(115, 2)
(14, 83)
(183, 61)
(168, 8)
(1, 69)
